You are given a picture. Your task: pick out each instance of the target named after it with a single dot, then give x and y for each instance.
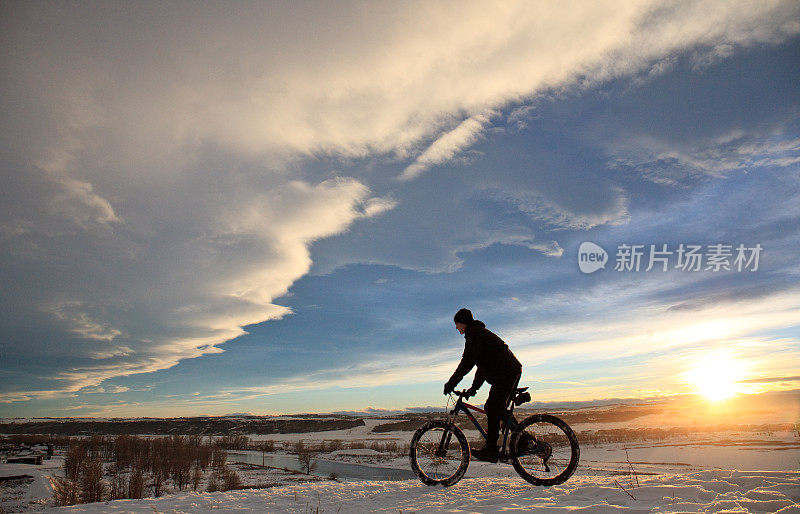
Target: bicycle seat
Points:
(521, 396)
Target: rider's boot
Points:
(488, 453)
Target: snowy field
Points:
(754, 468)
(704, 491)
(688, 476)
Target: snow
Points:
(668, 480)
(749, 469)
(704, 491)
(32, 489)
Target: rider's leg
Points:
(496, 406)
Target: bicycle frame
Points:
(508, 423)
(462, 406)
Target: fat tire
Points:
(575, 451)
(462, 440)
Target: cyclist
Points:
(496, 365)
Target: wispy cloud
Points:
(448, 145)
(672, 163)
(634, 333)
(770, 380)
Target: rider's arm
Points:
(463, 368)
(478, 381)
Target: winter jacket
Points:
(489, 353)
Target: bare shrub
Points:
(139, 463)
(234, 442)
(136, 484)
(65, 491)
(118, 484)
(307, 462)
(203, 452)
(224, 479)
(230, 480)
(92, 486)
(333, 445)
(181, 462)
(197, 477)
(158, 477)
(218, 457)
(357, 445)
(77, 454)
(385, 446)
(213, 483)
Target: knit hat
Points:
(463, 316)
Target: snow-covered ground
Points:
(746, 470)
(704, 491)
(27, 486)
(684, 476)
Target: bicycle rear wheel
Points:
(439, 453)
(544, 450)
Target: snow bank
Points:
(705, 491)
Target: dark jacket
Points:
(484, 349)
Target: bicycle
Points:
(542, 448)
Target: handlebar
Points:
(463, 393)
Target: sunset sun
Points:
(716, 377)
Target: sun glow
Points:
(717, 377)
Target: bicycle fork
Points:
(441, 451)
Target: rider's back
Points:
(490, 353)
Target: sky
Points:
(269, 207)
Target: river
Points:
(324, 468)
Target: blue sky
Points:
(278, 208)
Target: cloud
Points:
(81, 323)
(267, 78)
(769, 380)
(152, 298)
(446, 146)
(601, 337)
(673, 163)
(550, 212)
(155, 200)
(549, 248)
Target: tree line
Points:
(104, 468)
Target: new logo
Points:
(591, 257)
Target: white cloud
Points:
(448, 145)
(540, 208)
(549, 248)
(155, 147)
(80, 323)
(672, 163)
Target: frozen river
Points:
(342, 470)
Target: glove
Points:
(470, 392)
(448, 388)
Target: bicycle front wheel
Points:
(544, 450)
(439, 453)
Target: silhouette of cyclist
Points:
(496, 365)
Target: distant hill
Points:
(183, 426)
